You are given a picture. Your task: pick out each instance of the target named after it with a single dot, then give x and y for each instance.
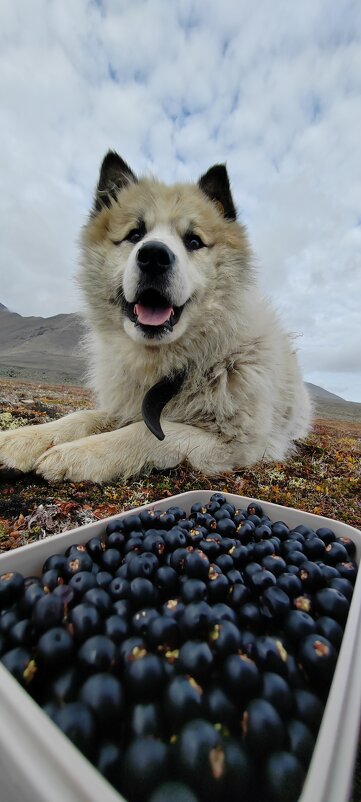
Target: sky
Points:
(271, 88)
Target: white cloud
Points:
(176, 87)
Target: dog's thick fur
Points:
(242, 399)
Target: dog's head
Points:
(162, 258)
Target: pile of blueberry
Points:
(188, 658)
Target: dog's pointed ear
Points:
(114, 174)
(215, 184)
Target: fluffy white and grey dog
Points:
(178, 327)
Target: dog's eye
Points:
(193, 242)
(135, 235)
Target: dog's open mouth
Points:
(153, 312)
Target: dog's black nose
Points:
(155, 257)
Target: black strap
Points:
(156, 398)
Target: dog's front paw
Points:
(20, 448)
(74, 462)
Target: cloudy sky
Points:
(272, 88)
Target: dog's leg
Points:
(20, 448)
(134, 450)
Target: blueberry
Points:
(178, 560)
(101, 600)
(119, 588)
(81, 582)
(108, 762)
(298, 624)
(195, 659)
(20, 664)
(57, 561)
(217, 585)
(85, 621)
(311, 577)
(260, 580)
(51, 579)
(237, 596)
(274, 604)
(76, 720)
(55, 648)
(143, 566)
(145, 765)
(48, 612)
(250, 616)
(318, 658)
(194, 590)
(197, 620)
(117, 525)
(64, 687)
(144, 676)
(116, 540)
(154, 543)
(174, 608)
(196, 747)
(300, 741)
(11, 588)
(349, 546)
(175, 791)
(270, 654)
(291, 584)
(335, 553)
(97, 654)
(330, 629)
(262, 727)
(163, 632)
(145, 719)
(131, 523)
(104, 694)
(254, 509)
(225, 638)
(8, 619)
(275, 564)
(283, 777)
(143, 593)
(347, 570)
(226, 527)
(166, 581)
(218, 707)
(219, 498)
(79, 561)
(308, 708)
(117, 628)
(21, 634)
(111, 560)
(95, 547)
(314, 548)
(196, 565)
(142, 619)
(327, 535)
(241, 676)
(182, 700)
(280, 529)
(274, 689)
(332, 603)
(223, 612)
(175, 539)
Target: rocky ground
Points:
(323, 477)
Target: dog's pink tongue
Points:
(152, 317)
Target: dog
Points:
(188, 362)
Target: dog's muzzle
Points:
(153, 310)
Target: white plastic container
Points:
(39, 764)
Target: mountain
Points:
(41, 347)
(319, 393)
(47, 349)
